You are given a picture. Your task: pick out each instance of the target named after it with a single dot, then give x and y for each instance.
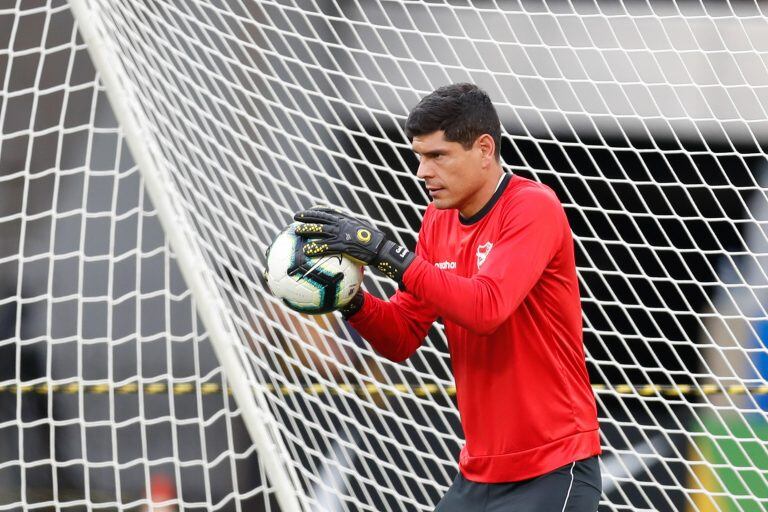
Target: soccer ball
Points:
(310, 285)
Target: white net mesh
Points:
(647, 118)
(108, 385)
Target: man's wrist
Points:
(353, 306)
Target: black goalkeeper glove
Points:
(353, 306)
(332, 231)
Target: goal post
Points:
(191, 260)
(150, 150)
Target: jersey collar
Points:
(491, 202)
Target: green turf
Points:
(734, 449)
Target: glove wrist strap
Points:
(353, 306)
(393, 260)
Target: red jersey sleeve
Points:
(396, 328)
(531, 234)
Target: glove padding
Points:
(332, 231)
(337, 232)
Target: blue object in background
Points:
(760, 359)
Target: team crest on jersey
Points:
(482, 253)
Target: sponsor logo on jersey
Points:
(446, 265)
(482, 252)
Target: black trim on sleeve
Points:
(487, 208)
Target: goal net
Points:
(151, 149)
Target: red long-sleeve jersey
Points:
(504, 282)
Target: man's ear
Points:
(487, 146)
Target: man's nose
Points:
(424, 171)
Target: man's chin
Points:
(442, 204)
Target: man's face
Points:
(452, 174)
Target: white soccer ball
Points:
(310, 285)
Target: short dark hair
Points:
(463, 111)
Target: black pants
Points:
(575, 487)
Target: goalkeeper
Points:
(495, 260)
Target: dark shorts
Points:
(575, 487)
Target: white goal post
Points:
(192, 262)
(151, 149)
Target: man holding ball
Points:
(495, 260)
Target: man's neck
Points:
(484, 194)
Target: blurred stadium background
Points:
(647, 118)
